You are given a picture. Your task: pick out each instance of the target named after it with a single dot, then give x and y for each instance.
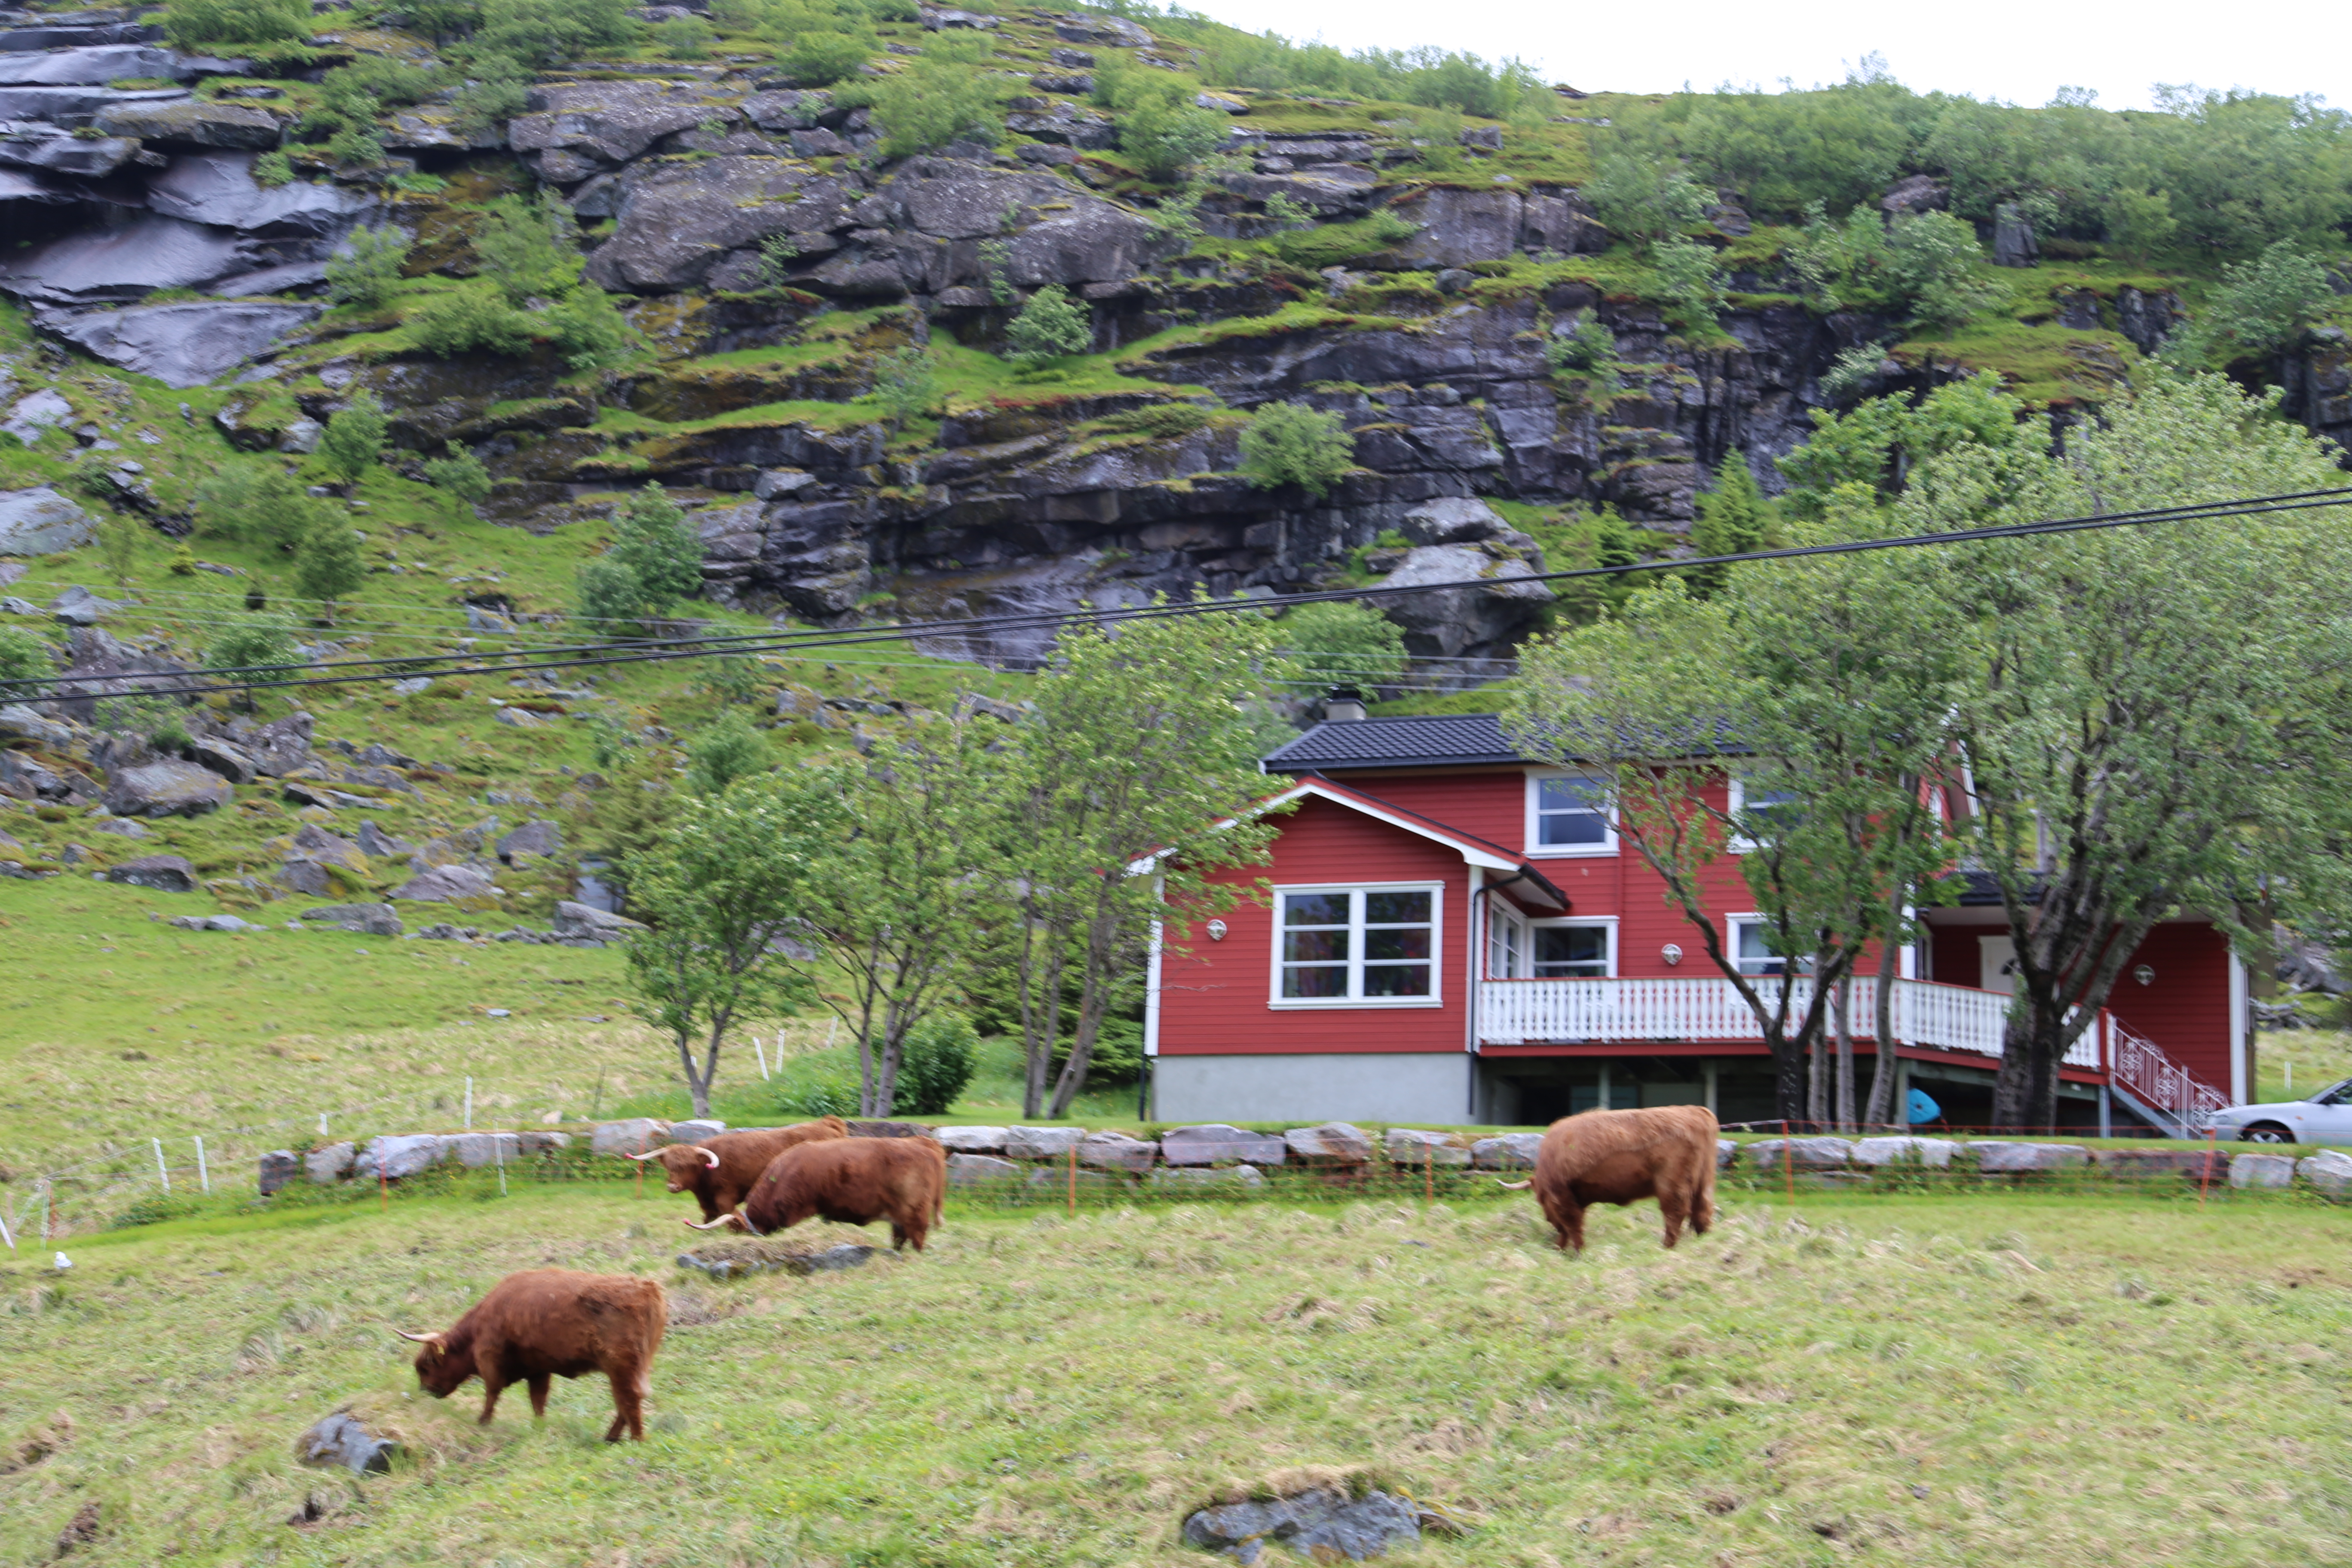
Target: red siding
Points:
(1213, 997)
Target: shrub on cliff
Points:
(191, 24)
(1050, 325)
(366, 270)
(2262, 307)
(1291, 444)
(535, 33)
(655, 561)
(1339, 642)
(328, 565)
(24, 656)
(353, 437)
(469, 319)
(1161, 129)
(942, 98)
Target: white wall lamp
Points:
(2143, 974)
(1217, 930)
(1672, 952)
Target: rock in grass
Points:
(279, 1167)
(971, 1140)
(1511, 1151)
(979, 1169)
(1410, 1147)
(580, 923)
(633, 1136)
(341, 1439)
(40, 521)
(694, 1131)
(396, 1155)
(2008, 1159)
(2262, 1171)
(165, 873)
(1936, 1151)
(1117, 1152)
(1726, 1152)
(475, 1149)
(214, 923)
(446, 884)
(1322, 1525)
(331, 1164)
(1041, 1143)
(1210, 1142)
(2329, 1172)
(166, 789)
(1195, 1176)
(1338, 1144)
(368, 920)
(1805, 1153)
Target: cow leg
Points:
(492, 1384)
(898, 1237)
(1672, 1209)
(1566, 1216)
(628, 1403)
(539, 1396)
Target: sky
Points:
(2013, 50)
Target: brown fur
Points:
(554, 1322)
(1666, 1152)
(852, 1180)
(743, 1157)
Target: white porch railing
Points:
(2141, 1069)
(1943, 1017)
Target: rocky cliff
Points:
(769, 255)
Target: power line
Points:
(653, 650)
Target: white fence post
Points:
(470, 1105)
(161, 1175)
(758, 1050)
(4, 1234)
(204, 1176)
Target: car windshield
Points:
(2328, 1096)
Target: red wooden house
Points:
(1454, 934)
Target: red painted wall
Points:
(1213, 997)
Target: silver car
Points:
(2324, 1118)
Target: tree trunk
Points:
(1787, 1081)
(1845, 1055)
(1880, 1111)
(2025, 1091)
(1817, 1082)
(698, 1084)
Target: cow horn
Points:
(1513, 1186)
(432, 1339)
(713, 1225)
(708, 1155)
(656, 1155)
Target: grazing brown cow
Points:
(553, 1322)
(850, 1181)
(721, 1170)
(1666, 1152)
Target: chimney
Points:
(1343, 704)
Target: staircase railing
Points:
(2177, 1101)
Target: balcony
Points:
(1609, 1011)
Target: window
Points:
(1755, 808)
(1568, 814)
(1507, 946)
(1373, 945)
(1751, 949)
(1574, 951)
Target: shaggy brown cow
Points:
(850, 1181)
(1666, 1152)
(553, 1322)
(721, 1170)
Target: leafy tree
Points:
(1585, 349)
(461, 473)
(1049, 325)
(904, 897)
(1688, 283)
(328, 565)
(822, 58)
(259, 503)
(1292, 444)
(367, 268)
(1162, 131)
(589, 331)
(26, 658)
(497, 95)
(121, 539)
(530, 249)
(684, 37)
(731, 749)
(260, 644)
(523, 35)
(1339, 642)
(723, 888)
(611, 597)
(1139, 748)
(1879, 443)
(469, 318)
(942, 97)
(655, 560)
(940, 1054)
(1646, 199)
(194, 23)
(1924, 265)
(1733, 518)
(2262, 307)
(905, 383)
(353, 440)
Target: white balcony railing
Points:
(1942, 1017)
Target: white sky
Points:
(2008, 49)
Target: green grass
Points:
(2029, 1379)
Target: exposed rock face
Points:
(165, 788)
(369, 920)
(165, 873)
(40, 521)
(218, 188)
(184, 345)
(138, 256)
(446, 884)
(193, 121)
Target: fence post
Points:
(470, 1104)
(641, 1164)
(45, 1208)
(499, 1151)
(161, 1175)
(3, 1233)
(1074, 1180)
(204, 1175)
(761, 1051)
(322, 1125)
(1428, 1174)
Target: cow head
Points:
(439, 1368)
(684, 1161)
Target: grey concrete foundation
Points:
(1424, 1090)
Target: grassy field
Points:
(2031, 1380)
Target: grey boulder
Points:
(1117, 1152)
(584, 922)
(89, 67)
(1041, 1143)
(40, 521)
(1212, 1141)
(76, 155)
(1803, 1154)
(1414, 1149)
(1453, 519)
(1496, 605)
(976, 1170)
(214, 923)
(396, 1155)
(2262, 1171)
(341, 1439)
(331, 1164)
(368, 920)
(1511, 1151)
(1189, 1177)
(165, 789)
(1332, 1143)
(971, 1140)
(77, 606)
(475, 1149)
(446, 884)
(1936, 1151)
(218, 188)
(1996, 1155)
(633, 1136)
(609, 121)
(530, 838)
(2329, 1172)
(694, 1131)
(1321, 1525)
(199, 121)
(165, 873)
(278, 1166)
(121, 259)
(185, 344)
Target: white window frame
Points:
(1608, 923)
(1736, 802)
(1499, 919)
(1539, 850)
(1731, 924)
(1436, 997)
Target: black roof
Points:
(1433, 740)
